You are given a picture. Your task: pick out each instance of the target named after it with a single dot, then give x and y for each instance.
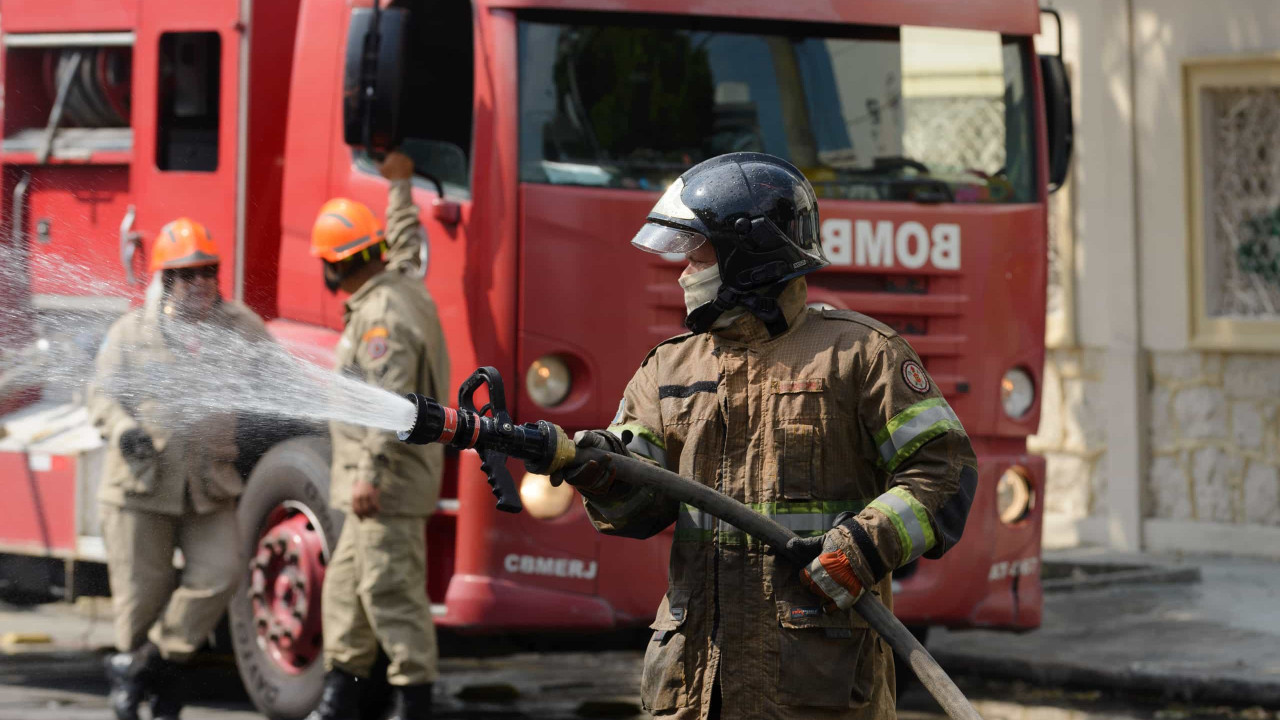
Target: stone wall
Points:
(1072, 435)
(1214, 438)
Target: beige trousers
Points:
(375, 593)
(148, 600)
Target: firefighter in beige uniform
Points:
(375, 585)
(825, 420)
(167, 483)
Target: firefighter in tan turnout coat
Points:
(823, 419)
(168, 483)
(375, 585)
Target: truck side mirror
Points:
(1057, 107)
(372, 78)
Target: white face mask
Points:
(700, 288)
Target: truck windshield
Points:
(915, 114)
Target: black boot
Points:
(161, 680)
(126, 690)
(340, 697)
(167, 702)
(412, 702)
(168, 693)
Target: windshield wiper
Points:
(890, 163)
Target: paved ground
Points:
(1164, 649)
(69, 686)
(544, 686)
(495, 678)
(1217, 640)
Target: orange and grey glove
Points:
(830, 575)
(593, 479)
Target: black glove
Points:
(805, 548)
(593, 478)
(136, 444)
(812, 547)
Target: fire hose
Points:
(545, 448)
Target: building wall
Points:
(1215, 440)
(1072, 438)
(1166, 33)
(1139, 427)
(1094, 233)
(1212, 420)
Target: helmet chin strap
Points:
(336, 273)
(764, 305)
(333, 277)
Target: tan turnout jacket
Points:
(392, 339)
(143, 368)
(834, 415)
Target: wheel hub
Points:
(286, 576)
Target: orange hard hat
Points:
(343, 228)
(183, 243)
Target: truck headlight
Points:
(548, 381)
(543, 500)
(1014, 498)
(1017, 393)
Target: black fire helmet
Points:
(760, 215)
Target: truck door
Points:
(188, 149)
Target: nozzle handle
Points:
(489, 377)
(494, 465)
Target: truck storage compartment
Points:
(75, 97)
(66, 153)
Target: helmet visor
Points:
(662, 239)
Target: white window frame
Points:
(1199, 74)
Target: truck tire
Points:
(287, 532)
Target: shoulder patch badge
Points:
(375, 342)
(915, 376)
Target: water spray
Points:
(545, 448)
(48, 354)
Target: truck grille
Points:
(926, 310)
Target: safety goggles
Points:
(204, 272)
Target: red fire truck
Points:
(543, 130)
